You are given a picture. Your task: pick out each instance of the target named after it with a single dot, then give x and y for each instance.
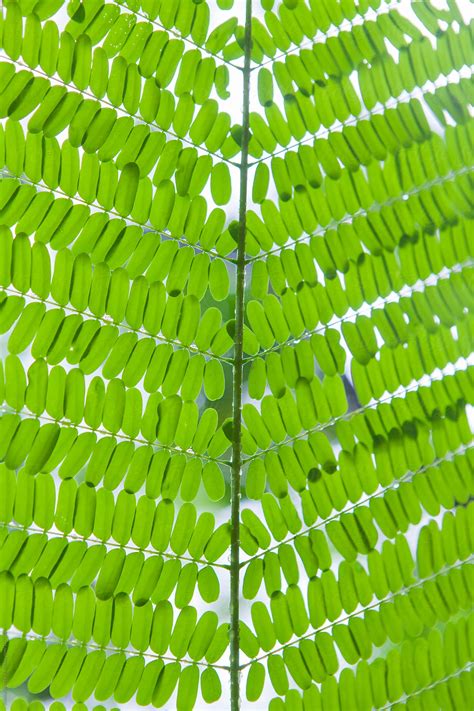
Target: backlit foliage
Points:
(123, 146)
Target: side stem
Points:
(238, 381)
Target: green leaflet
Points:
(236, 329)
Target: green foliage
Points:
(137, 498)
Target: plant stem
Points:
(238, 380)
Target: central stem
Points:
(238, 379)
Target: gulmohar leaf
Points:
(236, 338)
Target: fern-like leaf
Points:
(236, 373)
